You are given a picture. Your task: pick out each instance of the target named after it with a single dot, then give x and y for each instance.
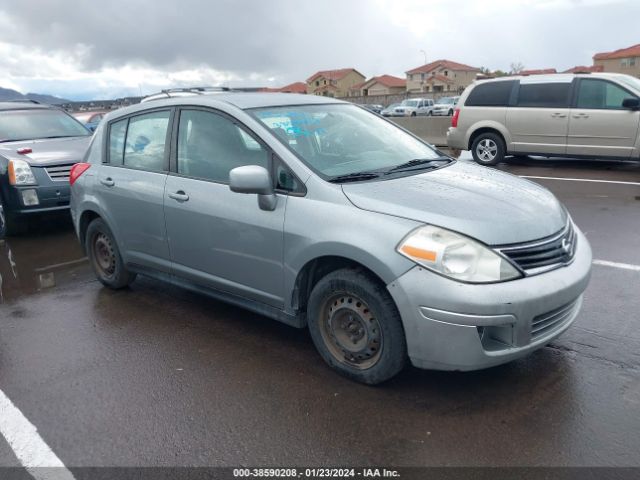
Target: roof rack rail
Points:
(24, 100)
(184, 91)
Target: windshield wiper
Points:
(422, 163)
(355, 177)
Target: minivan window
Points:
(544, 95)
(600, 94)
(342, 139)
(117, 134)
(145, 141)
(490, 94)
(210, 145)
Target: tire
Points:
(105, 257)
(429, 113)
(488, 149)
(413, 114)
(356, 326)
(450, 113)
(10, 224)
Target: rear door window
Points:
(145, 141)
(491, 94)
(544, 95)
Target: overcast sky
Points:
(82, 49)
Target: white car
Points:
(412, 107)
(445, 106)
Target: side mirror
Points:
(254, 179)
(631, 103)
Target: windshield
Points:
(630, 81)
(410, 103)
(38, 123)
(446, 101)
(336, 140)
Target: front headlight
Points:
(456, 256)
(20, 173)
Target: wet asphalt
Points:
(157, 376)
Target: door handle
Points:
(580, 115)
(558, 115)
(180, 196)
(107, 182)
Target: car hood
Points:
(48, 151)
(492, 206)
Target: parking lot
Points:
(156, 376)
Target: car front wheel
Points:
(488, 149)
(356, 327)
(104, 256)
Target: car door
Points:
(599, 125)
(538, 122)
(130, 187)
(219, 238)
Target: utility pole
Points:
(425, 56)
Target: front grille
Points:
(545, 254)
(548, 322)
(59, 173)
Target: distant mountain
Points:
(9, 94)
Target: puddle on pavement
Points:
(48, 256)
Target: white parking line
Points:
(32, 452)
(581, 180)
(624, 266)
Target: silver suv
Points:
(412, 107)
(584, 116)
(321, 214)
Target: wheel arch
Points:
(490, 127)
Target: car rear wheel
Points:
(104, 256)
(356, 327)
(488, 149)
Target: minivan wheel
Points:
(104, 256)
(356, 327)
(488, 149)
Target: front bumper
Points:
(51, 195)
(441, 316)
(441, 113)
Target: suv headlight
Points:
(20, 173)
(456, 256)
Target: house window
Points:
(624, 62)
(632, 62)
(422, 77)
(325, 82)
(446, 73)
(317, 83)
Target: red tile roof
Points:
(583, 69)
(390, 81)
(440, 78)
(297, 87)
(539, 71)
(444, 64)
(333, 74)
(633, 51)
(358, 86)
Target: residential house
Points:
(441, 76)
(380, 85)
(334, 83)
(585, 69)
(625, 60)
(297, 87)
(540, 71)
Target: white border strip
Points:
(32, 452)
(582, 180)
(624, 266)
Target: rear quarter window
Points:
(491, 94)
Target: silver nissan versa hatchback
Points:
(321, 214)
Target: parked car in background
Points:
(329, 217)
(445, 106)
(38, 146)
(413, 107)
(91, 120)
(375, 108)
(390, 110)
(594, 115)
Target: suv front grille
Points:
(550, 321)
(546, 254)
(59, 173)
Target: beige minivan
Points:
(563, 115)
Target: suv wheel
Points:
(10, 225)
(488, 149)
(104, 256)
(356, 327)
(413, 114)
(450, 113)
